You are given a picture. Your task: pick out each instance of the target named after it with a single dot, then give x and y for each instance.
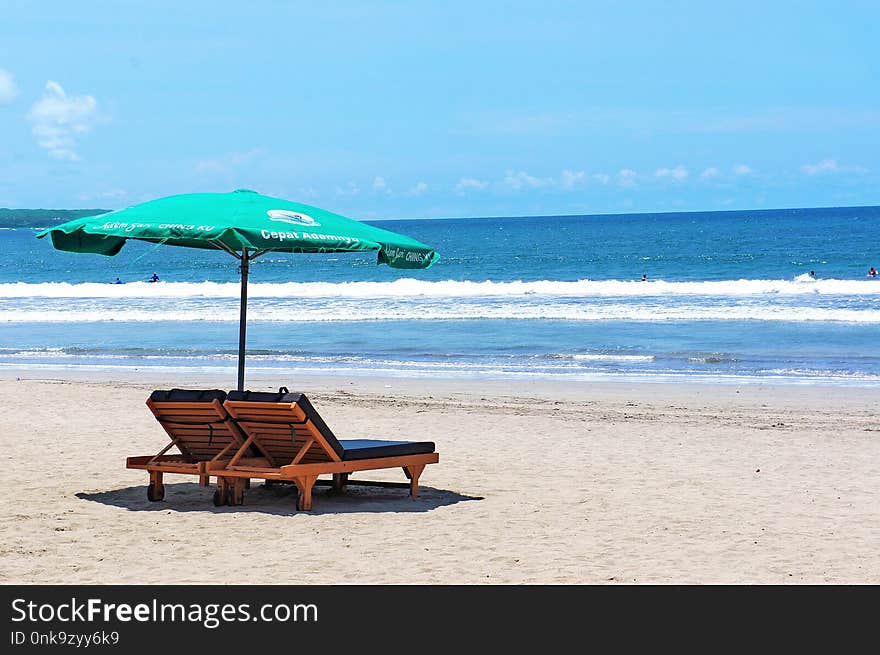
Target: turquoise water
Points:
(728, 297)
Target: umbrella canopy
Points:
(242, 223)
(237, 221)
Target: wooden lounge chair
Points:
(200, 429)
(296, 445)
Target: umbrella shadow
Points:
(279, 500)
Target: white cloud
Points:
(601, 178)
(679, 173)
(379, 183)
(626, 177)
(520, 179)
(831, 166)
(58, 120)
(418, 189)
(351, 189)
(571, 179)
(824, 166)
(470, 184)
(8, 90)
(742, 169)
(709, 173)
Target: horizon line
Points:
(452, 218)
(637, 213)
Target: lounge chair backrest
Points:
(196, 420)
(282, 424)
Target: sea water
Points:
(728, 297)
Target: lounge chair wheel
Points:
(154, 496)
(219, 499)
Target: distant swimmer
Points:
(644, 277)
(872, 272)
(118, 281)
(155, 278)
(813, 274)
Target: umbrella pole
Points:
(242, 321)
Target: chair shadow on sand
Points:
(279, 500)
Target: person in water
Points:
(813, 274)
(644, 277)
(155, 278)
(118, 281)
(872, 272)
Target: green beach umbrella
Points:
(244, 224)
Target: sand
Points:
(538, 482)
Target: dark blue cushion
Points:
(370, 448)
(187, 395)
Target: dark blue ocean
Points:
(728, 298)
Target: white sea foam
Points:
(344, 312)
(585, 357)
(408, 287)
(548, 361)
(781, 376)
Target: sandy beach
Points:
(538, 482)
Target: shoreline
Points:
(536, 484)
(271, 378)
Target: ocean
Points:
(728, 298)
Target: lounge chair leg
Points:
(155, 490)
(413, 472)
(340, 481)
(221, 495)
(237, 491)
(204, 480)
(247, 483)
(304, 485)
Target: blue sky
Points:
(430, 109)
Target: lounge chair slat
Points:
(277, 444)
(176, 408)
(280, 439)
(195, 431)
(283, 434)
(277, 426)
(189, 419)
(280, 415)
(198, 435)
(145, 459)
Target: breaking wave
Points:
(408, 287)
(348, 312)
